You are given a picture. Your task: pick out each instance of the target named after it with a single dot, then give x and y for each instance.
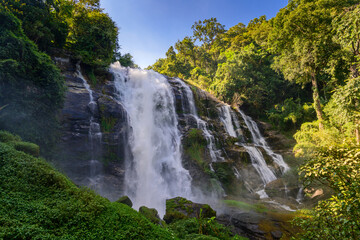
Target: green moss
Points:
(107, 124)
(181, 208)
(194, 146)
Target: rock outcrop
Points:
(181, 208)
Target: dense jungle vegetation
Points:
(298, 70)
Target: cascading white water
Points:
(157, 173)
(260, 141)
(95, 135)
(225, 117)
(215, 154)
(256, 156)
(259, 164)
(228, 117)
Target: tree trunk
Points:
(354, 71)
(316, 98)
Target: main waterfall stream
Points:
(155, 172)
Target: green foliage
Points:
(343, 108)
(93, 37)
(38, 202)
(290, 114)
(246, 76)
(31, 85)
(347, 26)
(29, 148)
(342, 121)
(126, 60)
(234, 65)
(194, 228)
(7, 137)
(40, 22)
(151, 214)
(206, 31)
(338, 217)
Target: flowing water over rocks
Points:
(155, 172)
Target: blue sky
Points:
(149, 27)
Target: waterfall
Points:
(156, 172)
(259, 164)
(257, 159)
(95, 137)
(300, 195)
(225, 117)
(260, 141)
(215, 154)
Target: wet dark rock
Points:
(243, 223)
(109, 107)
(81, 157)
(276, 234)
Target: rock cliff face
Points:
(97, 163)
(219, 164)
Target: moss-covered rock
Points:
(181, 208)
(151, 214)
(125, 200)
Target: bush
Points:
(339, 216)
(29, 148)
(7, 137)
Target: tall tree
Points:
(206, 31)
(303, 37)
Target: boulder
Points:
(151, 214)
(181, 208)
(276, 188)
(125, 200)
